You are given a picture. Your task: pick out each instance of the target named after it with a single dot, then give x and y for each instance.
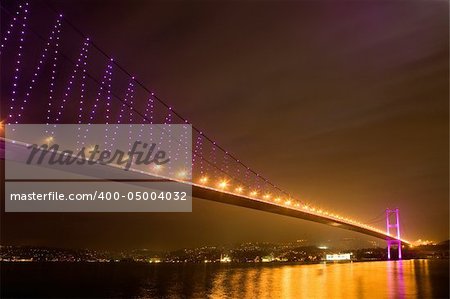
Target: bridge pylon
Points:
(393, 223)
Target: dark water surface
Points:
(396, 279)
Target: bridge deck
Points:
(211, 194)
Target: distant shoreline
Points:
(273, 263)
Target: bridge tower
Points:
(390, 224)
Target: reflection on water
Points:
(351, 280)
(396, 279)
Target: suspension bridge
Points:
(52, 73)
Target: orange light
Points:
(203, 179)
(223, 184)
(239, 189)
(287, 202)
(266, 196)
(253, 193)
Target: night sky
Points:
(344, 103)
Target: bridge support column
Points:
(395, 225)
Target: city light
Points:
(239, 189)
(253, 193)
(339, 257)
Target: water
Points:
(400, 279)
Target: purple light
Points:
(53, 41)
(80, 61)
(52, 85)
(130, 113)
(198, 149)
(108, 96)
(83, 87)
(15, 81)
(12, 26)
(168, 121)
(395, 225)
(106, 78)
(128, 94)
(148, 117)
